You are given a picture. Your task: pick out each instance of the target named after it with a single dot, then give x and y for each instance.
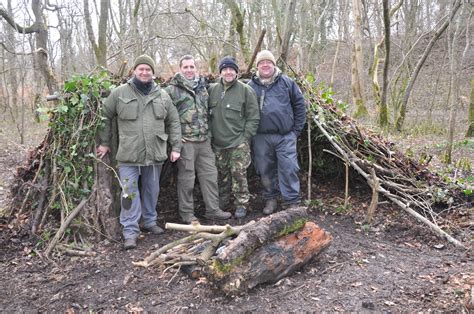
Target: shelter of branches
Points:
(62, 185)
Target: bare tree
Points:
(470, 130)
(99, 47)
(40, 29)
(288, 31)
(357, 82)
(401, 115)
(238, 25)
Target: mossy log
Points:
(252, 236)
(270, 262)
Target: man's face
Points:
(265, 68)
(228, 74)
(188, 69)
(143, 73)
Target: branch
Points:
(35, 28)
(64, 226)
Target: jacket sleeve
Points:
(169, 91)
(172, 123)
(299, 108)
(109, 110)
(252, 113)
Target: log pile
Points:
(263, 251)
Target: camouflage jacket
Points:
(192, 107)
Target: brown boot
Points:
(218, 214)
(270, 207)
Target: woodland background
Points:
(403, 68)
(398, 64)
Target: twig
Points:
(63, 227)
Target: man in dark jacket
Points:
(146, 120)
(189, 94)
(282, 118)
(234, 120)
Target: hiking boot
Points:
(190, 219)
(130, 243)
(291, 205)
(240, 212)
(270, 207)
(154, 229)
(218, 214)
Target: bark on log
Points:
(271, 262)
(268, 228)
(104, 202)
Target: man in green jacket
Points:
(234, 120)
(146, 120)
(189, 94)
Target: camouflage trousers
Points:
(232, 164)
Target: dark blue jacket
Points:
(282, 106)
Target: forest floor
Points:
(395, 265)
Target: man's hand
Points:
(174, 156)
(102, 151)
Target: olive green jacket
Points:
(234, 114)
(145, 124)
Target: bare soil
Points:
(395, 265)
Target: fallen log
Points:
(262, 251)
(267, 229)
(270, 262)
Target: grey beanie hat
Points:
(265, 55)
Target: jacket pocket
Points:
(233, 112)
(159, 149)
(158, 109)
(127, 108)
(127, 148)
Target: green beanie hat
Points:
(144, 59)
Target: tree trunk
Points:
(357, 63)
(470, 130)
(42, 47)
(383, 114)
(238, 24)
(288, 30)
(403, 107)
(270, 262)
(100, 47)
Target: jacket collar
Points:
(276, 75)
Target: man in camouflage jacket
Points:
(189, 95)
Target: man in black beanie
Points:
(146, 120)
(234, 118)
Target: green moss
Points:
(227, 267)
(297, 225)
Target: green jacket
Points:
(145, 124)
(234, 114)
(191, 103)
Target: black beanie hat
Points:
(228, 62)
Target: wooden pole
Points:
(257, 49)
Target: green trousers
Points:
(197, 157)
